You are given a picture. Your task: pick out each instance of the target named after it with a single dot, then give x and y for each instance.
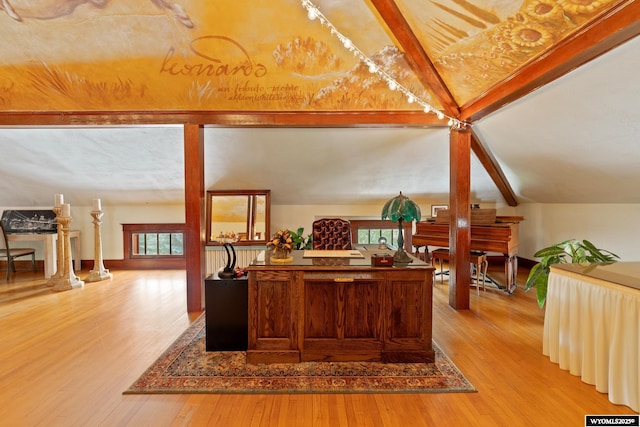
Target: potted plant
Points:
(299, 241)
(568, 252)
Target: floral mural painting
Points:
(476, 44)
(209, 55)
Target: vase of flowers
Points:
(282, 244)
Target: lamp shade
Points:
(401, 208)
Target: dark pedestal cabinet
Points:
(226, 305)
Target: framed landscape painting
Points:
(436, 208)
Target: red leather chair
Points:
(332, 234)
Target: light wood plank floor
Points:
(66, 358)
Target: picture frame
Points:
(29, 221)
(241, 216)
(436, 208)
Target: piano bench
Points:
(478, 262)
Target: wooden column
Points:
(460, 217)
(194, 215)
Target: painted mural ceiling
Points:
(532, 77)
(276, 55)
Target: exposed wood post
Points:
(194, 191)
(459, 217)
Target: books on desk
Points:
(322, 253)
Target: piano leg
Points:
(511, 272)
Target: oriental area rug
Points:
(187, 368)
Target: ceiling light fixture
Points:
(314, 13)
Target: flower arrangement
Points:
(281, 242)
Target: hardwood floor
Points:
(66, 358)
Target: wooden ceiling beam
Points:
(415, 54)
(419, 60)
(494, 170)
(618, 25)
(347, 119)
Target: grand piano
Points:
(489, 233)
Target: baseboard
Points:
(139, 264)
(23, 265)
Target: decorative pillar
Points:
(69, 280)
(57, 209)
(98, 272)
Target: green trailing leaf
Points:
(600, 254)
(551, 250)
(534, 275)
(541, 293)
(567, 252)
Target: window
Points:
(368, 236)
(365, 232)
(145, 244)
(153, 241)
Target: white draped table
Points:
(592, 327)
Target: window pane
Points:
(152, 244)
(164, 243)
(177, 244)
(140, 249)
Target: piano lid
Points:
(479, 217)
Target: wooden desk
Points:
(50, 248)
(592, 327)
(339, 309)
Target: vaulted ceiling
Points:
(549, 89)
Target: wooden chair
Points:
(478, 261)
(332, 234)
(11, 254)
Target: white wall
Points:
(613, 227)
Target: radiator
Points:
(217, 258)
